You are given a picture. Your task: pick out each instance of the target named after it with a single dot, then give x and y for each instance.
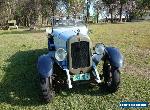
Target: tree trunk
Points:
(53, 8)
(111, 13)
(42, 20)
(34, 15)
(25, 20)
(87, 11)
(97, 16)
(28, 21)
(120, 12)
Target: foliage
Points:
(75, 7)
(142, 7)
(34, 12)
(98, 6)
(117, 7)
(111, 5)
(26, 12)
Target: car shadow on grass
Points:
(20, 84)
(84, 89)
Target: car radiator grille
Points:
(80, 54)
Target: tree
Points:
(120, 6)
(98, 6)
(111, 5)
(142, 7)
(131, 9)
(29, 12)
(121, 3)
(74, 7)
(87, 10)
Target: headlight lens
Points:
(99, 48)
(60, 54)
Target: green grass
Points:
(20, 49)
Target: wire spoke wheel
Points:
(47, 89)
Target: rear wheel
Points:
(111, 78)
(47, 89)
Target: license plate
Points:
(78, 77)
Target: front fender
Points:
(45, 65)
(115, 57)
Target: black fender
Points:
(45, 65)
(114, 56)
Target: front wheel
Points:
(47, 89)
(111, 78)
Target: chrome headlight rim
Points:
(60, 54)
(100, 48)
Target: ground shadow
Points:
(84, 89)
(20, 84)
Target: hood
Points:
(67, 32)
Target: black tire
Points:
(60, 78)
(111, 78)
(47, 89)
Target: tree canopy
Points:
(31, 12)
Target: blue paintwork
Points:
(115, 56)
(65, 33)
(45, 64)
(61, 35)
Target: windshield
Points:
(67, 22)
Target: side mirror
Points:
(99, 48)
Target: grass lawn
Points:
(20, 49)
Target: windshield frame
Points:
(63, 22)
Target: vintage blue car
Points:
(72, 59)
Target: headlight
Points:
(60, 54)
(99, 49)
